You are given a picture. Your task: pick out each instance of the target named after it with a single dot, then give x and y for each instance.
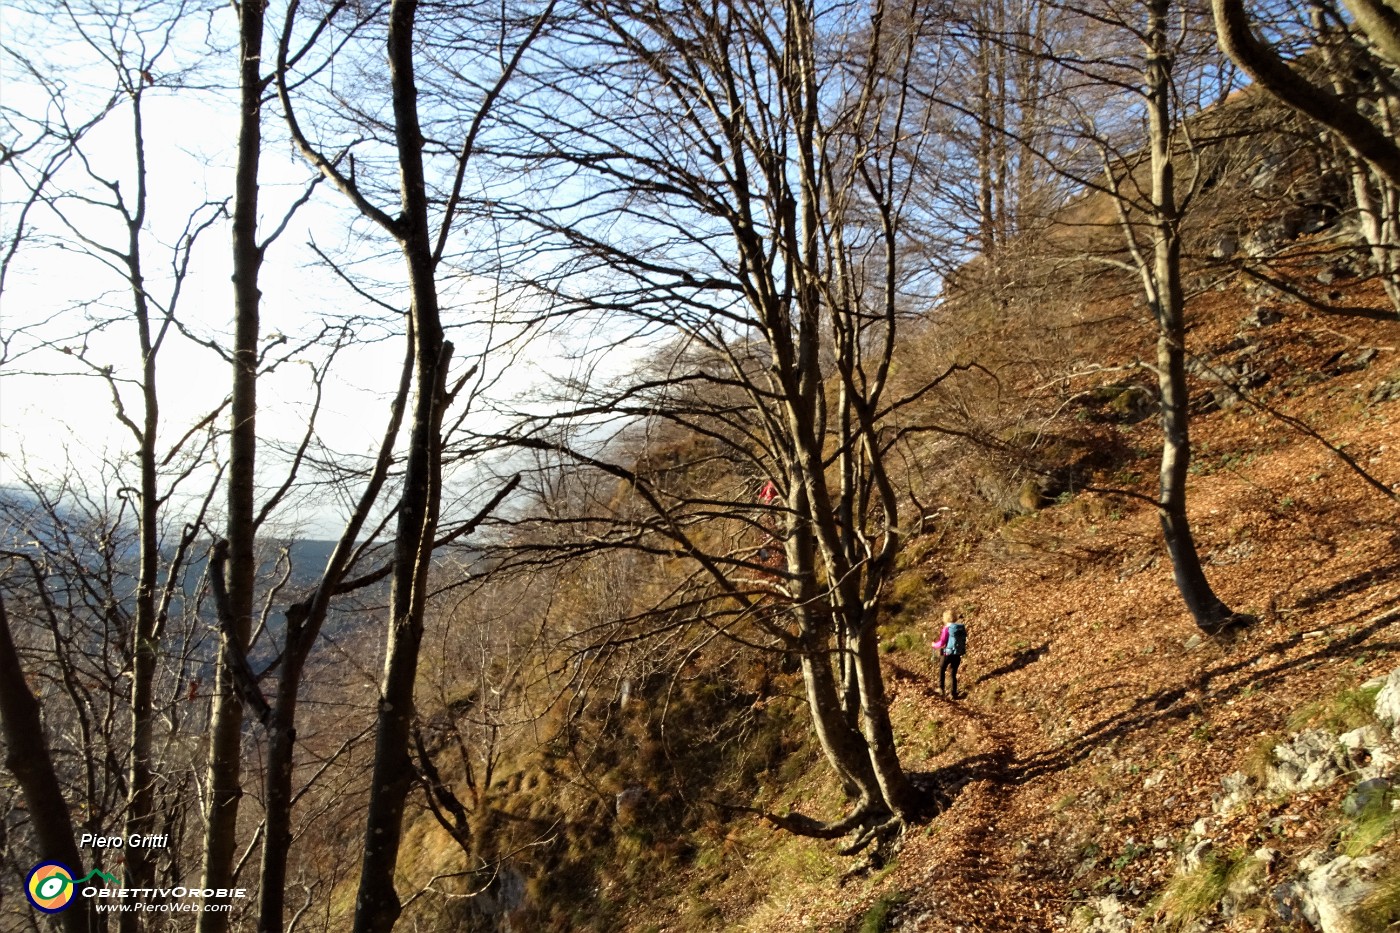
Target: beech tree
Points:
(1166, 299)
(1129, 92)
(734, 183)
(420, 226)
(236, 609)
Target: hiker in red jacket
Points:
(951, 644)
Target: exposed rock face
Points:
(629, 802)
(1388, 700)
(502, 896)
(1369, 752)
(1324, 888)
(1309, 761)
(1366, 795)
(1104, 915)
(1331, 889)
(1236, 789)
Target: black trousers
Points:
(949, 666)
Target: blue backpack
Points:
(957, 639)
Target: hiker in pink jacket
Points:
(951, 644)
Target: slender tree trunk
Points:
(27, 758)
(1166, 296)
(140, 803)
(304, 622)
(224, 778)
(377, 906)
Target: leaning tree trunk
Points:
(27, 758)
(1167, 299)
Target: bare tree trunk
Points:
(140, 802)
(377, 905)
(875, 726)
(304, 622)
(225, 748)
(27, 758)
(1167, 300)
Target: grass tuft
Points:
(1380, 913)
(1193, 896)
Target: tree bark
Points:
(1167, 301)
(1281, 80)
(377, 905)
(225, 747)
(27, 758)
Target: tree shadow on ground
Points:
(1349, 585)
(1021, 659)
(1167, 705)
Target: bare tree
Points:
(734, 183)
(27, 757)
(225, 745)
(410, 226)
(1166, 298)
(103, 213)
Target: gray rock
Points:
(1388, 700)
(629, 802)
(1225, 247)
(1263, 316)
(1388, 391)
(505, 893)
(1308, 761)
(1365, 795)
(1197, 853)
(1108, 917)
(1369, 752)
(1331, 892)
(1236, 789)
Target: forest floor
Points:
(1097, 721)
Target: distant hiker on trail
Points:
(951, 644)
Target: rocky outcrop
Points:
(1324, 888)
(1388, 704)
(1328, 890)
(1309, 761)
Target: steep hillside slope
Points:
(1110, 767)
(1100, 723)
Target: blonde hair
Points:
(947, 616)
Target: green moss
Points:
(877, 918)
